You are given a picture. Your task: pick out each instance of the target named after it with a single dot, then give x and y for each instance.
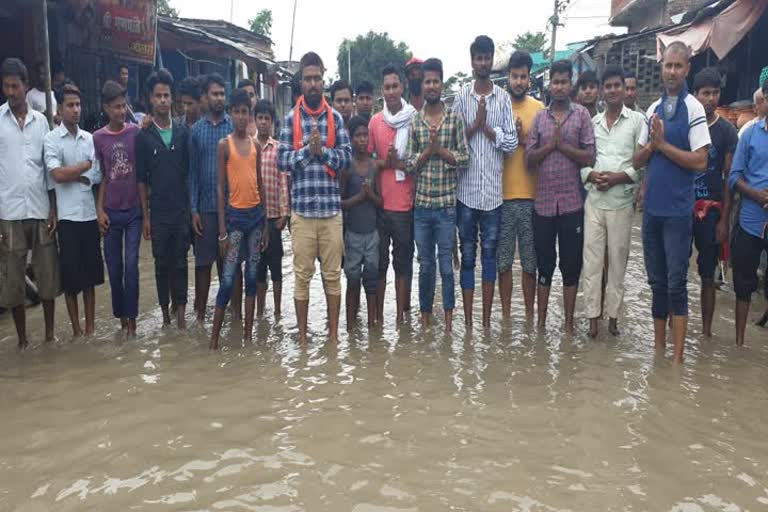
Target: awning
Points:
(721, 33)
(216, 38)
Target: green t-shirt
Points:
(166, 134)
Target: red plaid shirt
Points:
(274, 182)
(559, 190)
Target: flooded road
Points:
(404, 420)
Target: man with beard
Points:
(519, 191)
(315, 148)
(674, 145)
(341, 99)
(712, 210)
(587, 91)
(388, 139)
(415, 76)
(437, 148)
(490, 128)
(203, 174)
(364, 99)
(560, 143)
(609, 210)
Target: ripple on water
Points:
(509, 419)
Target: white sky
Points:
(430, 28)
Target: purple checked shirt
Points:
(559, 190)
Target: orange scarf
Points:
(298, 127)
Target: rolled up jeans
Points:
(435, 227)
(469, 220)
(667, 248)
(245, 227)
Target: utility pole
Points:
(349, 62)
(555, 22)
(293, 26)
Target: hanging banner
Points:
(128, 28)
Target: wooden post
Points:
(47, 64)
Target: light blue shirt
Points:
(751, 163)
(74, 200)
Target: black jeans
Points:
(563, 232)
(746, 251)
(170, 245)
(272, 258)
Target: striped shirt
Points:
(275, 183)
(436, 180)
(203, 162)
(314, 194)
(480, 184)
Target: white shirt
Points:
(74, 200)
(24, 184)
(479, 185)
(36, 100)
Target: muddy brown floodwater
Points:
(405, 420)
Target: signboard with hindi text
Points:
(128, 28)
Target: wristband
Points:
(224, 238)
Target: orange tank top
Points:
(241, 176)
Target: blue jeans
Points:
(667, 248)
(245, 228)
(489, 222)
(123, 267)
(435, 227)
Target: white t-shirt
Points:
(36, 100)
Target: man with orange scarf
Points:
(314, 148)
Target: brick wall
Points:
(637, 55)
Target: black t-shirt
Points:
(165, 169)
(360, 218)
(709, 184)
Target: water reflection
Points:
(401, 419)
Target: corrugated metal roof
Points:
(219, 37)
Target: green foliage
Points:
(164, 9)
(262, 23)
(531, 42)
(454, 84)
(370, 53)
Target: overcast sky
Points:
(430, 28)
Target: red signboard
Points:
(128, 28)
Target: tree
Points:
(531, 42)
(456, 82)
(164, 9)
(369, 54)
(262, 23)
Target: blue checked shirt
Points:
(203, 162)
(314, 193)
